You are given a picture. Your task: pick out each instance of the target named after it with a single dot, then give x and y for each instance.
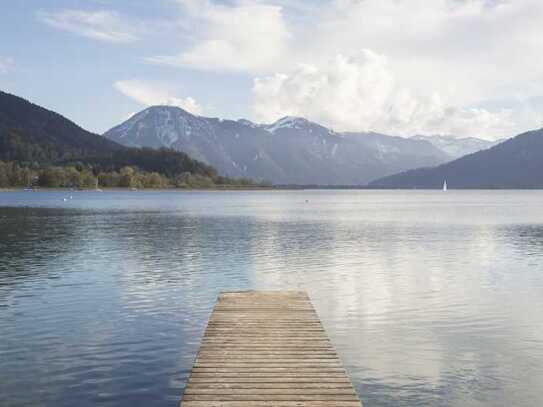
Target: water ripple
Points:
(428, 297)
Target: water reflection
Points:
(430, 301)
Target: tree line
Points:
(13, 174)
(25, 162)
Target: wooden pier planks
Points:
(267, 349)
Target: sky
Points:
(399, 67)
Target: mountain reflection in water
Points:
(430, 298)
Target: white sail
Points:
(445, 185)
(97, 189)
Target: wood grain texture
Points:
(267, 349)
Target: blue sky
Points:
(461, 67)
(74, 75)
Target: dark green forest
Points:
(83, 176)
(39, 147)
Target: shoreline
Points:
(256, 189)
(121, 189)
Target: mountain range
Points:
(37, 138)
(514, 163)
(292, 150)
(456, 147)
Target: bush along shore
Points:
(83, 176)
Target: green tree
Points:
(52, 177)
(4, 178)
(127, 177)
(87, 179)
(73, 177)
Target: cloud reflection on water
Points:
(429, 300)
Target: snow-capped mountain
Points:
(458, 147)
(516, 163)
(292, 150)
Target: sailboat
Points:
(444, 185)
(97, 189)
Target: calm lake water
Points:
(431, 298)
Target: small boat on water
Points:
(445, 186)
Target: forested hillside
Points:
(40, 147)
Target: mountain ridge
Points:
(45, 126)
(457, 147)
(292, 150)
(35, 139)
(514, 163)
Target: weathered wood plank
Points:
(264, 357)
(269, 397)
(271, 404)
(267, 349)
(202, 378)
(269, 382)
(198, 390)
(274, 353)
(241, 376)
(298, 370)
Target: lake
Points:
(430, 298)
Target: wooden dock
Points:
(267, 349)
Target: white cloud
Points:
(244, 37)
(7, 64)
(101, 25)
(466, 50)
(469, 67)
(362, 93)
(153, 93)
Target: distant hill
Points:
(292, 150)
(36, 138)
(515, 163)
(457, 147)
(29, 132)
